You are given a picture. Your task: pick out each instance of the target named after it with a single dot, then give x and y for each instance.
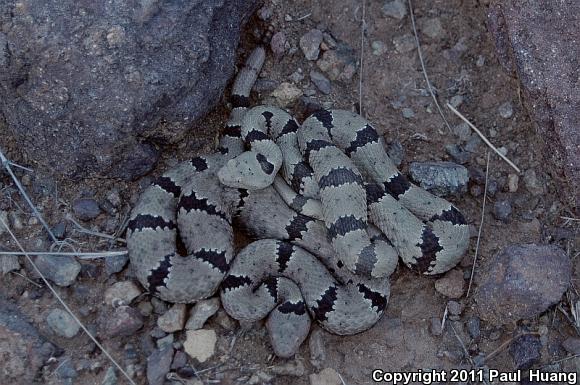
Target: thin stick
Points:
(21, 167)
(81, 229)
(483, 137)
(444, 318)
(6, 163)
(362, 44)
(463, 346)
(97, 343)
(505, 344)
(26, 278)
(424, 68)
(93, 255)
(480, 227)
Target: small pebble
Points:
(396, 9)
(310, 44)
(456, 101)
(321, 82)
(572, 345)
(158, 365)
(451, 285)
(408, 113)
(404, 43)
(435, 327)
(265, 13)
(457, 153)
(480, 61)
(297, 76)
(473, 327)
(62, 323)
(62, 270)
(201, 312)
(492, 187)
(327, 376)
(286, 93)
(473, 143)
(454, 308)
(525, 351)
(110, 377)
(441, 178)
(122, 293)
(378, 47)
(66, 370)
(86, 209)
(431, 27)
(502, 210)
(165, 341)
(115, 264)
(532, 182)
(505, 110)
(174, 319)
(513, 180)
(200, 344)
(124, 321)
(462, 131)
(396, 152)
(59, 230)
(292, 368)
(476, 190)
(278, 44)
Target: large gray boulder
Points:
(85, 84)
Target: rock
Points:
(572, 345)
(408, 113)
(265, 13)
(513, 180)
(463, 131)
(122, 293)
(62, 270)
(451, 285)
(110, 377)
(174, 319)
(66, 370)
(286, 93)
(454, 308)
(506, 110)
(9, 263)
(378, 47)
(396, 152)
(396, 9)
(435, 327)
(514, 287)
(456, 101)
(405, 43)
(457, 153)
(473, 327)
(533, 184)
(158, 365)
(59, 230)
(115, 263)
(200, 344)
(321, 82)
(526, 39)
(124, 321)
(179, 360)
(62, 323)
(316, 345)
(293, 368)
(327, 376)
(310, 44)
(525, 351)
(441, 178)
(430, 27)
(24, 349)
(260, 378)
(502, 210)
(86, 209)
(278, 44)
(339, 64)
(102, 78)
(165, 341)
(201, 312)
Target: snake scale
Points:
(330, 210)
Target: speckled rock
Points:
(62, 323)
(158, 365)
(327, 376)
(200, 344)
(201, 311)
(173, 319)
(451, 285)
(122, 293)
(86, 209)
(62, 270)
(514, 287)
(124, 321)
(310, 44)
(441, 178)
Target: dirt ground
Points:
(461, 63)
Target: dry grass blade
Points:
(480, 227)
(93, 255)
(424, 68)
(6, 163)
(362, 45)
(57, 296)
(483, 137)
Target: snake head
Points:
(250, 170)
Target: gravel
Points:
(396, 9)
(321, 82)
(525, 351)
(62, 270)
(473, 326)
(506, 110)
(310, 44)
(278, 44)
(502, 210)
(201, 312)
(158, 365)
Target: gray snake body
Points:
(310, 260)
